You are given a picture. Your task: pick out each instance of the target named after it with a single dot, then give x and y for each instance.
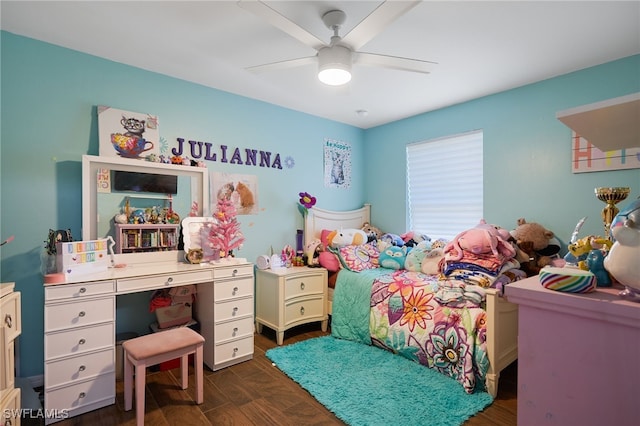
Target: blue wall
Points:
(49, 121)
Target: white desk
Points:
(79, 326)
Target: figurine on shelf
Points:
(622, 260)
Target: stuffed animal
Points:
(431, 262)
(393, 239)
(373, 233)
(413, 238)
(622, 260)
(534, 240)
(482, 239)
(415, 256)
(346, 237)
(393, 257)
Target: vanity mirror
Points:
(102, 202)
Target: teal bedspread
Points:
(351, 304)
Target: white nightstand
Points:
(289, 297)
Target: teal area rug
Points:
(365, 385)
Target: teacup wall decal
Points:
(130, 146)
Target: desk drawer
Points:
(85, 312)
(81, 394)
(74, 291)
(233, 309)
(11, 318)
(69, 370)
(233, 271)
(304, 310)
(79, 340)
(129, 285)
(300, 286)
(233, 330)
(229, 351)
(233, 289)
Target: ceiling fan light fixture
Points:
(334, 65)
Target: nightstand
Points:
(289, 297)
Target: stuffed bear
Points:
(393, 257)
(534, 240)
(373, 233)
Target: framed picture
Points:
(241, 190)
(195, 234)
(127, 134)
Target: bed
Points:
(500, 319)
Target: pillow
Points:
(359, 257)
(329, 261)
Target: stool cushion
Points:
(162, 342)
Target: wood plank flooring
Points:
(256, 393)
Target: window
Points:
(444, 185)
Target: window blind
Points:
(445, 184)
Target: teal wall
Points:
(527, 168)
(49, 121)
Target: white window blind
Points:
(444, 185)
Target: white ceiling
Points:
(480, 47)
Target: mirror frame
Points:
(90, 166)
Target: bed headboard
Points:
(318, 219)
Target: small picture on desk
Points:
(195, 233)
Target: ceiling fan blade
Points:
(280, 65)
(376, 22)
(264, 11)
(394, 62)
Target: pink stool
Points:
(152, 349)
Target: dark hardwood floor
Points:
(257, 393)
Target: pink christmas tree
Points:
(225, 233)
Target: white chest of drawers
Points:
(289, 297)
(10, 329)
(224, 310)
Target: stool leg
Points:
(141, 371)
(184, 371)
(198, 361)
(128, 383)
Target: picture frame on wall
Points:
(127, 134)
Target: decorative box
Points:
(173, 315)
(82, 257)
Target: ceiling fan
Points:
(336, 58)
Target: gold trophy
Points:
(610, 196)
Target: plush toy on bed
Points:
(413, 238)
(431, 264)
(413, 261)
(346, 237)
(393, 257)
(373, 233)
(481, 239)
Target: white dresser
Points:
(10, 329)
(79, 326)
(289, 297)
(224, 310)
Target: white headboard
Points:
(318, 219)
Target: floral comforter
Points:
(399, 311)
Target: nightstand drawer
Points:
(86, 312)
(77, 368)
(10, 406)
(235, 349)
(227, 290)
(234, 329)
(73, 291)
(163, 280)
(303, 285)
(303, 310)
(233, 309)
(10, 315)
(79, 340)
(7, 368)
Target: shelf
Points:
(609, 125)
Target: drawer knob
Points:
(301, 286)
(82, 395)
(235, 272)
(81, 314)
(235, 331)
(8, 422)
(235, 351)
(82, 368)
(169, 280)
(235, 310)
(83, 290)
(82, 342)
(302, 310)
(235, 290)
(8, 320)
